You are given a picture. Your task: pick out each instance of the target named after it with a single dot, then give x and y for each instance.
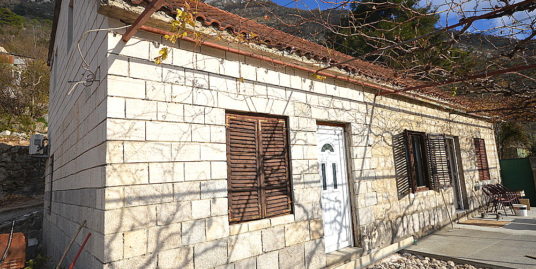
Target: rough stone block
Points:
(186, 152)
(128, 219)
(249, 263)
(317, 229)
(126, 174)
(282, 220)
(214, 189)
(200, 133)
(217, 227)
(174, 212)
(214, 116)
(218, 206)
(217, 134)
(244, 246)
(169, 131)
(164, 237)
(140, 109)
(147, 152)
(157, 91)
(148, 194)
(117, 65)
(268, 260)
(135, 243)
(200, 209)
(258, 224)
(204, 97)
(166, 172)
(197, 79)
(115, 107)
(112, 247)
(146, 261)
(117, 129)
(194, 114)
(126, 87)
(273, 238)
(113, 197)
(214, 152)
(315, 256)
(292, 257)
(193, 232)
(197, 171)
(182, 94)
(210, 254)
(218, 170)
(170, 112)
(187, 191)
(175, 258)
(145, 70)
(296, 233)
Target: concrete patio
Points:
(510, 246)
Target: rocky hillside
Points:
(33, 9)
(312, 24)
(308, 24)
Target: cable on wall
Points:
(89, 76)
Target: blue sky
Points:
(450, 11)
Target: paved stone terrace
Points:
(505, 247)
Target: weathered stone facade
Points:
(142, 157)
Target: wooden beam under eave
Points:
(154, 6)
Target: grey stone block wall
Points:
(20, 173)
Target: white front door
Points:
(334, 184)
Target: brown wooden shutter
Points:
(243, 163)
(400, 153)
(258, 167)
(276, 190)
(439, 164)
(481, 159)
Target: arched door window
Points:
(327, 147)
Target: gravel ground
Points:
(409, 261)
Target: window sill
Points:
(254, 225)
(422, 188)
(343, 255)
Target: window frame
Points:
(411, 162)
(259, 165)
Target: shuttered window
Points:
(417, 158)
(421, 162)
(481, 159)
(257, 156)
(439, 160)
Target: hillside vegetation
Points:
(24, 89)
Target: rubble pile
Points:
(407, 260)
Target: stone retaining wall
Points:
(19, 172)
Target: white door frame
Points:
(334, 184)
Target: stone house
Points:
(232, 154)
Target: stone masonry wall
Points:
(142, 156)
(385, 219)
(76, 135)
(19, 172)
(166, 190)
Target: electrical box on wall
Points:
(38, 145)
